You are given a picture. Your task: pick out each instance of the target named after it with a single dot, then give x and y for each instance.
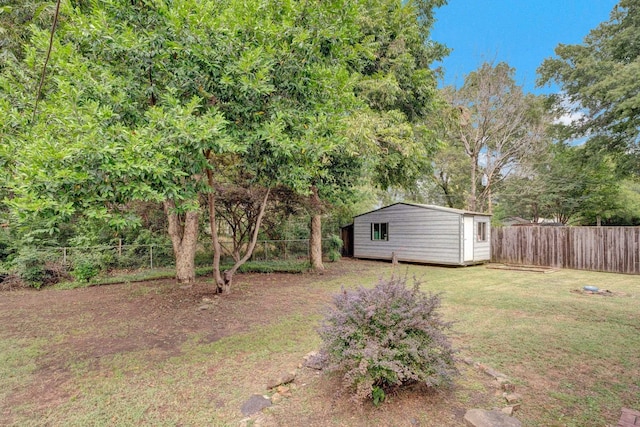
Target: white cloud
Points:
(569, 118)
(572, 112)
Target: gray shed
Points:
(423, 233)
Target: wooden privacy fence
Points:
(611, 249)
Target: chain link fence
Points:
(116, 257)
(154, 256)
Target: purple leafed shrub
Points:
(385, 337)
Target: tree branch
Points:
(46, 60)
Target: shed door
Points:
(347, 240)
(468, 238)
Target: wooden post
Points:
(151, 255)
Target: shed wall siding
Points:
(482, 250)
(415, 234)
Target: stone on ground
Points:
(513, 397)
(256, 403)
(284, 378)
(509, 410)
(482, 418)
(315, 360)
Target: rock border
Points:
(282, 386)
(279, 388)
(513, 400)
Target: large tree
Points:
(297, 123)
(387, 140)
(571, 184)
(498, 126)
(158, 100)
(599, 82)
(121, 118)
(151, 98)
(449, 183)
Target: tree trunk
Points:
(224, 280)
(473, 190)
(536, 215)
(315, 231)
(217, 248)
(443, 183)
(315, 242)
(228, 275)
(184, 239)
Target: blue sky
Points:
(520, 32)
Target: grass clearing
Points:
(577, 356)
(17, 362)
(148, 354)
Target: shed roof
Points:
(431, 207)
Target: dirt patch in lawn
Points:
(78, 329)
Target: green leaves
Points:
(141, 100)
(599, 78)
(572, 185)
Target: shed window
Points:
(481, 232)
(379, 231)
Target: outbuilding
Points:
(422, 233)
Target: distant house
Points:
(420, 233)
(516, 221)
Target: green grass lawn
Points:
(575, 358)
